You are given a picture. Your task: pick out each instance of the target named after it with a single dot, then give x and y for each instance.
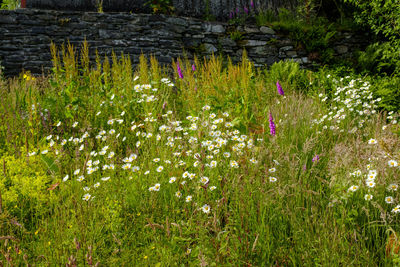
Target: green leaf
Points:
(50, 163)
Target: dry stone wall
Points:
(218, 9)
(26, 35)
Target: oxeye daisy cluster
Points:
(386, 193)
(94, 149)
(198, 151)
(392, 118)
(271, 172)
(353, 101)
(186, 157)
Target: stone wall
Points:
(218, 9)
(26, 35)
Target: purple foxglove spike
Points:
(246, 10)
(178, 68)
(279, 87)
(272, 125)
(252, 4)
(193, 67)
(237, 11)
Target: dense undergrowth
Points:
(209, 165)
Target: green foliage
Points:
(10, 4)
(161, 6)
(314, 37)
(290, 74)
(381, 57)
(313, 34)
(387, 88)
(265, 17)
(207, 13)
(236, 35)
(24, 186)
(383, 18)
(99, 6)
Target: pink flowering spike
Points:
(178, 68)
(279, 87)
(271, 125)
(246, 10)
(193, 67)
(252, 4)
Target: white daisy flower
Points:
(368, 197)
(160, 168)
(273, 179)
(206, 208)
(392, 163)
(353, 188)
(389, 200)
(372, 141)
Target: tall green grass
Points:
(53, 126)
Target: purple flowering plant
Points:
(272, 127)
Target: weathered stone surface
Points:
(5, 19)
(305, 59)
(298, 60)
(267, 30)
(177, 21)
(255, 43)
(210, 48)
(251, 29)
(285, 48)
(291, 53)
(264, 50)
(217, 29)
(104, 34)
(341, 49)
(227, 42)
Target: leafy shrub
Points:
(265, 17)
(161, 6)
(10, 4)
(387, 88)
(289, 72)
(383, 57)
(236, 35)
(314, 37)
(24, 185)
(382, 17)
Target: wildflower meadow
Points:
(200, 163)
